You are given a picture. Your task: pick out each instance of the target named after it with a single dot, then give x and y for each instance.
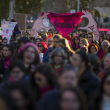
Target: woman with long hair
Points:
(56, 39)
(5, 61)
(28, 53)
(76, 41)
(58, 59)
(93, 48)
(22, 95)
(42, 80)
(101, 100)
(64, 43)
(90, 39)
(72, 99)
(49, 42)
(42, 47)
(22, 41)
(83, 45)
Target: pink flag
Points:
(65, 23)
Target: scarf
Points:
(11, 79)
(45, 89)
(100, 54)
(77, 46)
(6, 62)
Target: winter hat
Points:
(29, 44)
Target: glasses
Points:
(56, 41)
(104, 38)
(59, 56)
(39, 46)
(105, 45)
(76, 39)
(39, 79)
(50, 41)
(88, 37)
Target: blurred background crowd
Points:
(51, 72)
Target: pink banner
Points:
(103, 29)
(65, 23)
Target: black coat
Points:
(3, 71)
(49, 101)
(89, 83)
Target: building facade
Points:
(103, 7)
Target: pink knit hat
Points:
(29, 44)
(76, 35)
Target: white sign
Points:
(46, 22)
(7, 28)
(72, 11)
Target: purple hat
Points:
(29, 44)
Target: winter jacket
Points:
(46, 55)
(89, 83)
(49, 101)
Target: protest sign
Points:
(7, 28)
(92, 25)
(21, 19)
(65, 23)
(38, 25)
(103, 29)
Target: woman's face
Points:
(6, 52)
(69, 101)
(29, 55)
(105, 37)
(37, 41)
(18, 98)
(93, 50)
(89, 38)
(107, 86)
(40, 47)
(58, 58)
(50, 41)
(17, 74)
(40, 80)
(76, 40)
(61, 45)
(56, 42)
(81, 44)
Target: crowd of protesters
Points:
(52, 73)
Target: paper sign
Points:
(21, 19)
(7, 28)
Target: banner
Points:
(103, 29)
(65, 23)
(7, 28)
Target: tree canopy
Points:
(21, 6)
(72, 4)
